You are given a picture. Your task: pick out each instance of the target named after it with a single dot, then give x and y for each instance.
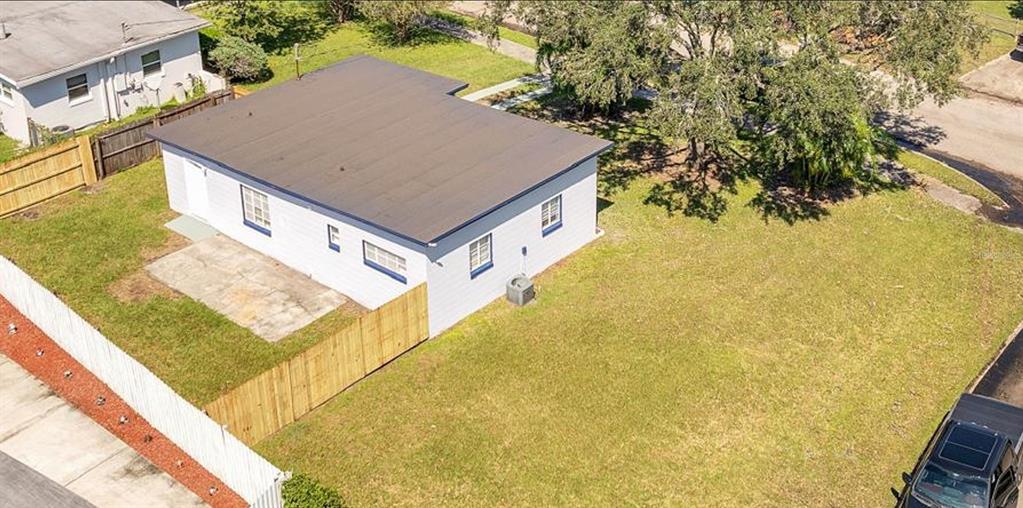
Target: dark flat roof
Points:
(384, 143)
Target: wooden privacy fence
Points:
(281, 395)
(44, 174)
(74, 163)
(127, 146)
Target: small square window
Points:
(6, 91)
(256, 210)
(77, 87)
(480, 256)
(151, 63)
(550, 215)
(333, 238)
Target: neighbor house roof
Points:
(48, 38)
(383, 143)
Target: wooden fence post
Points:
(88, 164)
(97, 152)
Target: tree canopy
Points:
(782, 91)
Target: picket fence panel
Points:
(254, 478)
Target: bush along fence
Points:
(281, 395)
(75, 163)
(242, 470)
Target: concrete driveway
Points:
(1000, 78)
(40, 431)
(247, 287)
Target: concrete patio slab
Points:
(62, 444)
(247, 287)
(191, 228)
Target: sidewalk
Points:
(46, 434)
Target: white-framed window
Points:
(333, 238)
(384, 261)
(77, 88)
(6, 92)
(256, 210)
(550, 215)
(480, 256)
(151, 62)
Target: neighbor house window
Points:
(256, 210)
(6, 92)
(151, 63)
(480, 259)
(550, 215)
(77, 87)
(384, 261)
(333, 238)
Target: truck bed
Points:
(991, 413)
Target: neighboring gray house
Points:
(372, 178)
(82, 63)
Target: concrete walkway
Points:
(502, 46)
(507, 85)
(43, 432)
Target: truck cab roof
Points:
(968, 449)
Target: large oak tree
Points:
(782, 91)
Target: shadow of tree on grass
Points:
(639, 152)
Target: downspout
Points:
(101, 69)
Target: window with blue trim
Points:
(256, 210)
(387, 262)
(550, 215)
(333, 238)
(480, 258)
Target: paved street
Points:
(82, 460)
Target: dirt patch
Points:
(140, 287)
(29, 215)
(95, 188)
(173, 243)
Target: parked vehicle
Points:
(1019, 42)
(973, 460)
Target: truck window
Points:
(945, 489)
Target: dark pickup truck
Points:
(973, 460)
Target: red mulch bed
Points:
(83, 388)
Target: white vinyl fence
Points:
(241, 469)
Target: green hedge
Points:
(302, 491)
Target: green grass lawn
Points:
(993, 14)
(433, 52)
(505, 33)
(951, 177)
(86, 246)
(677, 361)
(681, 362)
(8, 148)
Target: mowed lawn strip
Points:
(87, 247)
(678, 361)
(431, 51)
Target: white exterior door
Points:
(195, 189)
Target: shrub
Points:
(401, 16)
(302, 491)
(239, 59)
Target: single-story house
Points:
(77, 64)
(372, 178)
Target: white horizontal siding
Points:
(299, 238)
(453, 294)
(174, 173)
